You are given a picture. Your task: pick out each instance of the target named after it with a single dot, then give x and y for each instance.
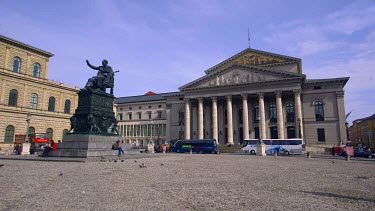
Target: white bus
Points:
(281, 146)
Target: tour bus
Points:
(198, 145)
(282, 146)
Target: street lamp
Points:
(347, 131)
(299, 127)
(27, 129)
(158, 134)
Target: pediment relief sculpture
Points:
(238, 77)
(255, 59)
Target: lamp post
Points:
(26, 144)
(158, 135)
(299, 127)
(347, 131)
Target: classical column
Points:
(341, 115)
(262, 123)
(280, 120)
(245, 117)
(215, 134)
(230, 121)
(297, 99)
(187, 119)
(200, 118)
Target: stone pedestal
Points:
(150, 148)
(26, 148)
(261, 149)
(87, 145)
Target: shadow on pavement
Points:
(339, 196)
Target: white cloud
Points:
(352, 18)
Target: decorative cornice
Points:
(244, 67)
(340, 94)
(25, 46)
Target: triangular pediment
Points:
(255, 57)
(239, 74)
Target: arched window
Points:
(16, 64)
(13, 96)
(9, 134)
(34, 101)
(256, 113)
(51, 104)
(319, 111)
(49, 131)
(36, 70)
(67, 107)
(289, 107)
(181, 117)
(273, 112)
(31, 130)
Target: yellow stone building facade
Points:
(25, 89)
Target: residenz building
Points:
(26, 94)
(253, 94)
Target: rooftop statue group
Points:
(95, 107)
(103, 80)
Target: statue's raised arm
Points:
(92, 66)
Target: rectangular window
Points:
(321, 134)
(140, 107)
(120, 109)
(130, 108)
(159, 114)
(139, 115)
(149, 115)
(130, 116)
(120, 116)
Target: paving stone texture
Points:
(190, 182)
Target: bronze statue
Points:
(73, 122)
(104, 79)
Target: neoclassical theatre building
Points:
(26, 90)
(253, 94)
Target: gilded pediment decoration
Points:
(255, 59)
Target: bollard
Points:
(275, 154)
(191, 151)
(308, 155)
(347, 157)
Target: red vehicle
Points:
(337, 150)
(38, 140)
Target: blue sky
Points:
(162, 45)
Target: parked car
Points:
(360, 152)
